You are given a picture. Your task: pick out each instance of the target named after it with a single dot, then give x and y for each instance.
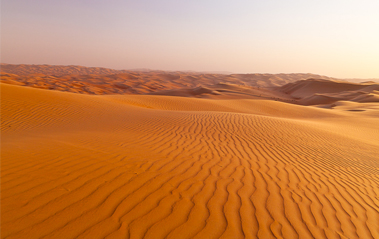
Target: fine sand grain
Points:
(152, 166)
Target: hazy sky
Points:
(338, 38)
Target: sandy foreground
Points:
(152, 166)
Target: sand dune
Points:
(319, 91)
(151, 166)
(304, 89)
(97, 80)
(228, 91)
(25, 69)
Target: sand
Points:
(97, 80)
(321, 92)
(153, 166)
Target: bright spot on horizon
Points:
(334, 38)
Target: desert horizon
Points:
(62, 69)
(94, 153)
(189, 119)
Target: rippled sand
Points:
(151, 166)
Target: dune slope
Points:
(97, 80)
(320, 92)
(87, 166)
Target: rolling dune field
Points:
(155, 166)
(100, 81)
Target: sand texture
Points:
(96, 80)
(319, 91)
(302, 89)
(152, 166)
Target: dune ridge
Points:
(319, 91)
(303, 89)
(151, 166)
(97, 80)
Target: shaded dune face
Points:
(321, 92)
(303, 89)
(97, 80)
(81, 166)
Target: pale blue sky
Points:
(338, 38)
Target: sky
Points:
(337, 38)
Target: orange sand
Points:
(151, 166)
(97, 80)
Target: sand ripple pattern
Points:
(132, 172)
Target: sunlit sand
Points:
(233, 161)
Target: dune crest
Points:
(303, 89)
(319, 91)
(151, 166)
(97, 80)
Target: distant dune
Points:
(95, 80)
(317, 91)
(306, 89)
(199, 156)
(57, 70)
